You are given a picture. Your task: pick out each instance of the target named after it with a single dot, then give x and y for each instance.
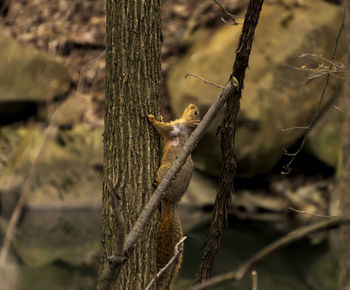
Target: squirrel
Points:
(174, 135)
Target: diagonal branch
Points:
(203, 80)
(173, 258)
(112, 268)
(230, 15)
(191, 143)
(286, 240)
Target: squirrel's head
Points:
(191, 115)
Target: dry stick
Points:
(287, 168)
(227, 142)
(233, 17)
(254, 280)
(338, 108)
(112, 268)
(161, 271)
(288, 239)
(203, 80)
(21, 202)
(310, 213)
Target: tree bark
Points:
(131, 146)
(344, 186)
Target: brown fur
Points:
(174, 135)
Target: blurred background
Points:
(52, 64)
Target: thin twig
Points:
(203, 80)
(295, 128)
(173, 258)
(254, 280)
(287, 168)
(314, 77)
(232, 17)
(286, 240)
(118, 217)
(50, 131)
(311, 214)
(338, 108)
(305, 54)
(112, 267)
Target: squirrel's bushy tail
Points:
(169, 234)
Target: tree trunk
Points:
(131, 146)
(345, 168)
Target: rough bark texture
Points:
(345, 170)
(227, 130)
(131, 146)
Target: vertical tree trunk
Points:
(131, 148)
(345, 169)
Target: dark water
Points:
(299, 267)
(59, 251)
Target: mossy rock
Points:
(47, 236)
(68, 166)
(28, 78)
(273, 97)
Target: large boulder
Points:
(68, 167)
(28, 78)
(274, 97)
(47, 236)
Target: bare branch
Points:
(114, 263)
(49, 132)
(313, 78)
(287, 168)
(119, 218)
(286, 240)
(254, 280)
(338, 108)
(231, 16)
(310, 213)
(173, 258)
(203, 80)
(295, 128)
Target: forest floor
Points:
(74, 33)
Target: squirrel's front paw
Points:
(156, 182)
(151, 118)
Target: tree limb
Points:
(243, 269)
(228, 128)
(114, 263)
(191, 143)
